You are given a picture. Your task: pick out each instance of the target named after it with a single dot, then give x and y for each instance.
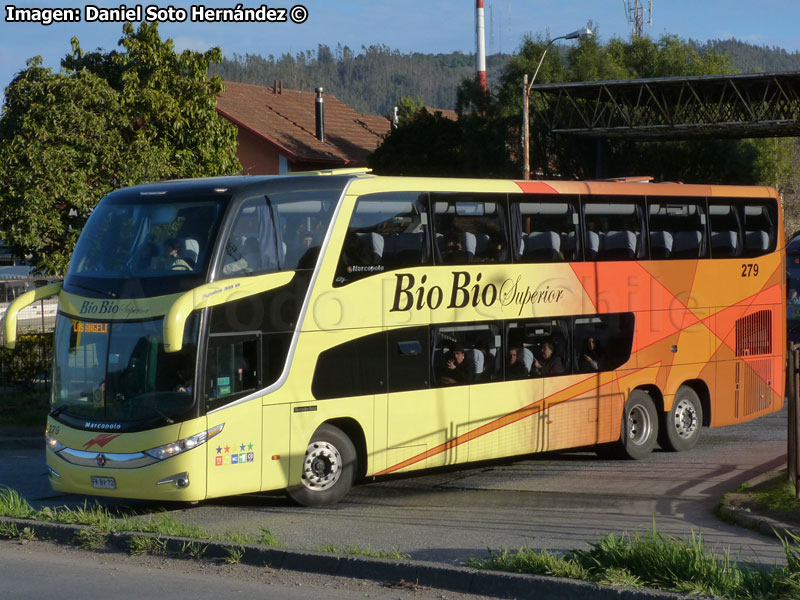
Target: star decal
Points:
(241, 447)
(227, 449)
(219, 449)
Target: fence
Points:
(29, 363)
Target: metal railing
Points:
(29, 364)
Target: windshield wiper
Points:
(108, 293)
(58, 410)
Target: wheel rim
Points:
(685, 419)
(639, 425)
(322, 466)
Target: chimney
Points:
(395, 117)
(320, 112)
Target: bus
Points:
(232, 335)
(793, 290)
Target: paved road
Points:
(556, 501)
(39, 570)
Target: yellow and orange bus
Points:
(231, 335)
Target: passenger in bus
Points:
(550, 364)
(515, 367)
(456, 370)
(591, 356)
(454, 252)
(171, 260)
(793, 297)
(355, 252)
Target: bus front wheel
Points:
(639, 426)
(681, 427)
(329, 468)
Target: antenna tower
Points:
(634, 12)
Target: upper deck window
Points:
(387, 231)
(470, 228)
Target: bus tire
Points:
(680, 429)
(329, 468)
(639, 427)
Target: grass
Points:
(778, 494)
(659, 561)
(145, 544)
(103, 520)
(359, 551)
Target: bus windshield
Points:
(125, 239)
(118, 371)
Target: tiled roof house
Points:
(277, 130)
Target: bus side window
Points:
(537, 348)
(355, 368)
(602, 342)
(466, 354)
(470, 229)
(232, 368)
(545, 231)
(760, 228)
(408, 359)
(614, 229)
(251, 246)
(726, 231)
(677, 230)
(387, 231)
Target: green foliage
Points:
(660, 561)
(425, 145)
(407, 108)
(108, 119)
(193, 550)
(145, 544)
(28, 362)
(233, 555)
(10, 531)
(357, 550)
(90, 538)
(371, 81)
(15, 506)
(163, 524)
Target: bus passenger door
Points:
(424, 421)
(232, 373)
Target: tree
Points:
(108, 119)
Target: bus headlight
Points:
(52, 443)
(175, 448)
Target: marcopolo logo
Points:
(465, 291)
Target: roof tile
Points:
(287, 119)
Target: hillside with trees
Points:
(375, 78)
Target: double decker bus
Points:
(233, 335)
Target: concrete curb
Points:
(428, 574)
(746, 518)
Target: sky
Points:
(427, 26)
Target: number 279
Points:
(749, 270)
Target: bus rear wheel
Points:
(681, 427)
(329, 468)
(639, 427)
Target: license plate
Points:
(104, 483)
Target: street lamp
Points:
(580, 34)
